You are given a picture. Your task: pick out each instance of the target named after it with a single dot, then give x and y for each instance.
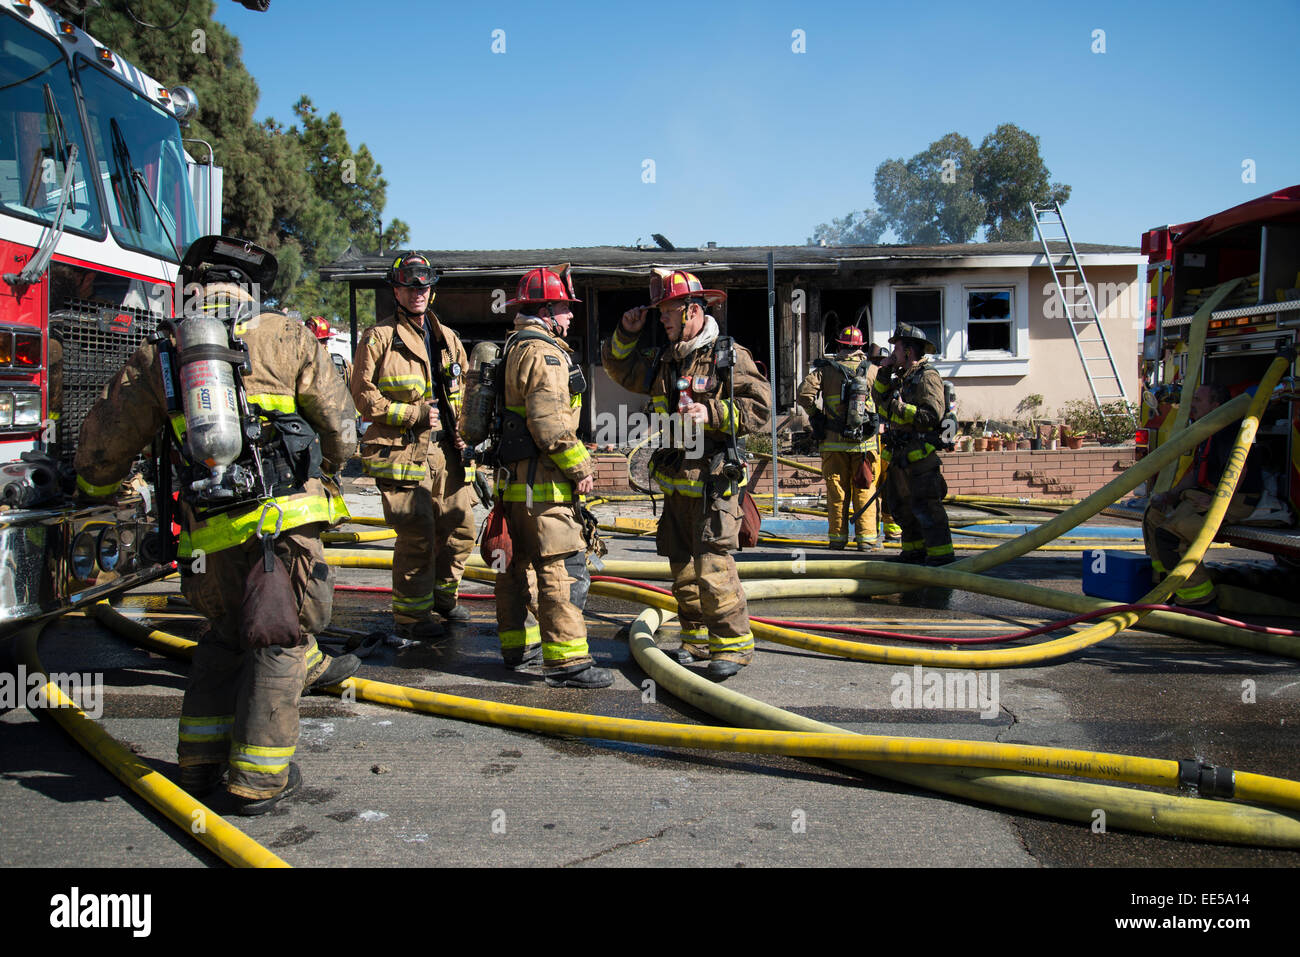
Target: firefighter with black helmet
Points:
(714, 389)
(407, 381)
(847, 426)
(255, 423)
(544, 471)
(911, 399)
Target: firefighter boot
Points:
(723, 667)
(455, 613)
(252, 807)
(522, 659)
(331, 671)
(588, 676)
(425, 630)
(200, 780)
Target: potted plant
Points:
(1079, 417)
(1028, 409)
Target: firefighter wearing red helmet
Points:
(847, 428)
(545, 469)
(712, 383)
(407, 381)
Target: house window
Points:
(922, 308)
(990, 326)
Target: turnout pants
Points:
(843, 501)
(1167, 535)
(241, 705)
(698, 536)
(548, 572)
(434, 522)
(914, 493)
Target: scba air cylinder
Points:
(211, 404)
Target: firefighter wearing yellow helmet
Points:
(846, 426)
(407, 381)
(714, 389)
(249, 552)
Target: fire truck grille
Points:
(97, 341)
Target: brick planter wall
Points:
(1065, 473)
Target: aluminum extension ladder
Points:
(1081, 312)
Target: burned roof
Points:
(368, 269)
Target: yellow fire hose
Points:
(206, 826)
(1180, 816)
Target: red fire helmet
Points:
(542, 285)
(319, 327)
(850, 336)
(667, 285)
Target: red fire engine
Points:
(1257, 243)
(97, 195)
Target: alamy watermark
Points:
(946, 691)
(86, 690)
(664, 430)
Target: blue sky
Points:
(544, 145)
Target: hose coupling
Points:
(1206, 779)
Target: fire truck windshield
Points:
(130, 133)
(34, 76)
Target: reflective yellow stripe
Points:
(915, 455)
(409, 604)
(659, 403)
(619, 347)
(274, 403)
(557, 651)
(671, 485)
(939, 549)
(97, 491)
(542, 492)
(314, 657)
(398, 414)
(178, 424)
(518, 410)
(727, 415)
(402, 382)
(570, 457)
(866, 445)
(1203, 590)
(225, 531)
(520, 637)
(446, 586)
(206, 728)
(397, 471)
(739, 643)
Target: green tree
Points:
(345, 208)
(930, 198)
(856, 229)
(949, 191)
(1009, 175)
(301, 192)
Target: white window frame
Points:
(969, 353)
(939, 287)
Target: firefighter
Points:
(1174, 518)
(848, 464)
(253, 566)
(889, 530)
(711, 390)
(910, 397)
(544, 469)
(414, 450)
(320, 328)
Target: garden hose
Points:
(206, 826)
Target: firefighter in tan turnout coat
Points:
(413, 450)
(701, 476)
(845, 460)
(240, 712)
(545, 469)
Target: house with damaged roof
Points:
(992, 308)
